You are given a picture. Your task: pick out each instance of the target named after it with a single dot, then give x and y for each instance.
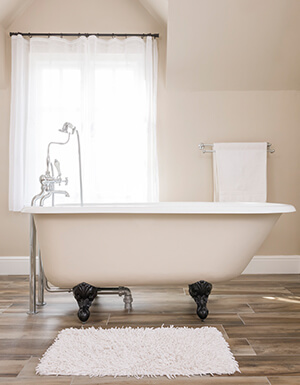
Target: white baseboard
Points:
(15, 265)
(274, 264)
(261, 264)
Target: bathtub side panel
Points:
(137, 249)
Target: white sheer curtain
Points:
(107, 89)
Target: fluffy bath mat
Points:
(139, 352)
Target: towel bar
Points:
(202, 147)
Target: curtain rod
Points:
(29, 34)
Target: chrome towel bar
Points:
(202, 147)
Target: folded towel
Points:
(240, 172)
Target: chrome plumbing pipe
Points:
(70, 129)
(80, 168)
(41, 282)
(48, 153)
(32, 275)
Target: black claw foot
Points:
(200, 292)
(84, 295)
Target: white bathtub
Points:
(155, 243)
(197, 243)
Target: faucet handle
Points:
(57, 166)
(65, 181)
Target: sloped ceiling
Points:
(157, 8)
(234, 45)
(10, 9)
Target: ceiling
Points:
(157, 8)
(11, 9)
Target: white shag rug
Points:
(138, 352)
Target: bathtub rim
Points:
(165, 208)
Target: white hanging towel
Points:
(240, 172)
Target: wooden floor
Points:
(259, 315)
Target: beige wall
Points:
(184, 120)
(2, 58)
(13, 226)
(234, 48)
(194, 117)
(234, 45)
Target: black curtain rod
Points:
(29, 34)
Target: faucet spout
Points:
(61, 192)
(51, 194)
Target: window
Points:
(107, 89)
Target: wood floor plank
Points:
(29, 334)
(12, 367)
(28, 370)
(270, 318)
(204, 380)
(293, 288)
(291, 330)
(255, 286)
(228, 304)
(35, 347)
(173, 319)
(60, 321)
(238, 289)
(276, 304)
(4, 307)
(240, 347)
(284, 380)
(265, 288)
(269, 365)
(36, 381)
(276, 346)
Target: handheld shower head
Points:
(68, 128)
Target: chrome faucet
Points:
(48, 180)
(48, 183)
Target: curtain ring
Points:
(29, 35)
(113, 36)
(61, 35)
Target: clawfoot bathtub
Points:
(196, 243)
